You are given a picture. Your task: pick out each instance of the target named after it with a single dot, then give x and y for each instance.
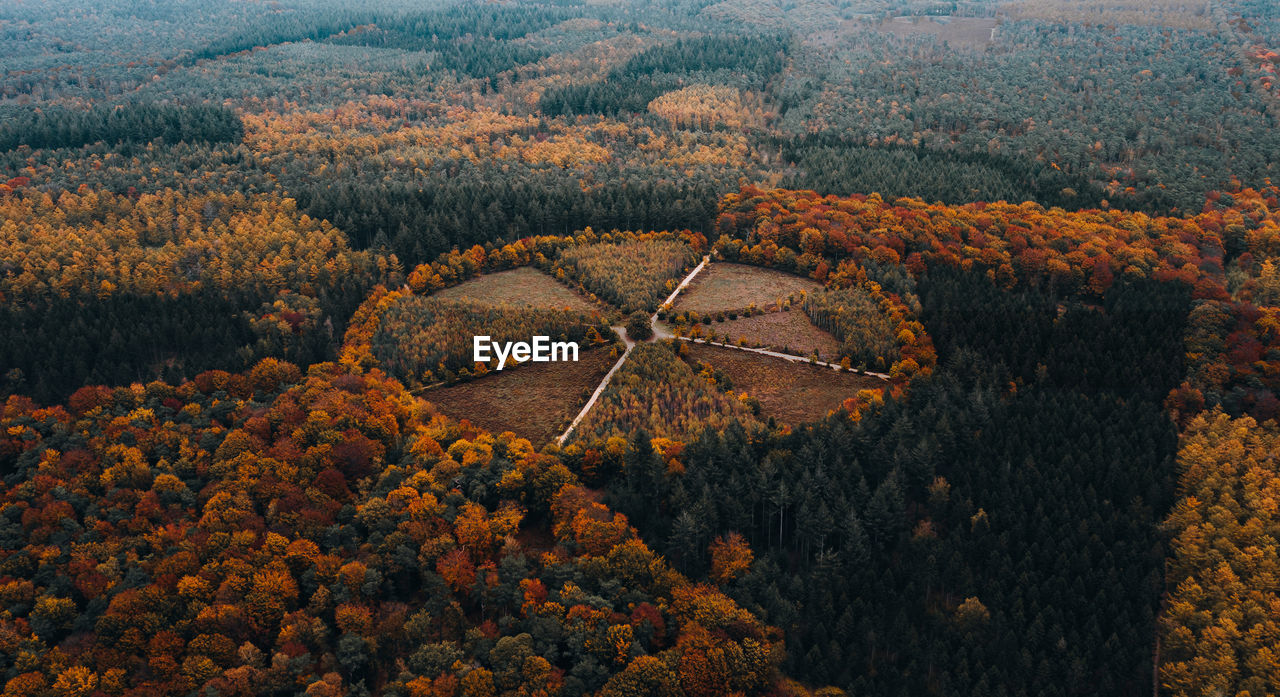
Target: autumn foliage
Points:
(288, 533)
(100, 243)
(1219, 631)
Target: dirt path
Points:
(599, 389)
(672, 298)
(662, 331)
(776, 354)
(631, 344)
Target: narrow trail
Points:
(775, 354)
(672, 298)
(599, 390)
(631, 344)
(662, 331)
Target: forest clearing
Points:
(784, 331)
(522, 287)
(534, 401)
(961, 32)
(790, 392)
(724, 286)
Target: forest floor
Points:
(534, 401)
(787, 332)
(791, 392)
(525, 286)
(725, 286)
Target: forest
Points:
(242, 245)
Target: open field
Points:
(973, 33)
(534, 401)
(789, 392)
(969, 32)
(1172, 14)
(788, 332)
(524, 286)
(725, 286)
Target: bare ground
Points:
(524, 286)
(960, 32)
(792, 393)
(788, 332)
(535, 401)
(725, 286)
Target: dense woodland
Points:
(334, 558)
(109, 289)
(1052, 224)
(946, 543)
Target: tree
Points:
(731, 556)
(638, 326)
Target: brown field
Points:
(789, 332)
(535, 401)
(724, 286)
(792, 393)
(524, 286)
(959, 32)
(969, 32)
(1173, 14)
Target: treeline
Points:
(423, 340)
(296, 26)
(831, 164)
(744, 60)
(54, 346)
(128, 123)
(472, 39)
(468, 205)
(952, 541)
(631, 275)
